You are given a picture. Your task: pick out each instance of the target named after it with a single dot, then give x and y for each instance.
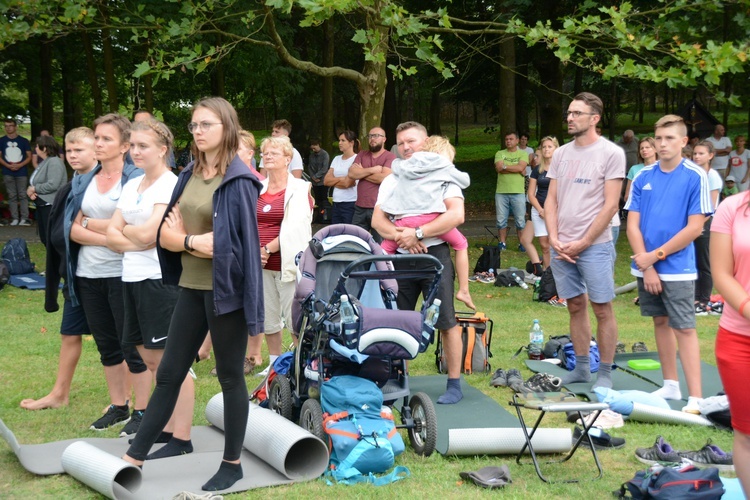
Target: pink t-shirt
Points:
(581, 173)
(732, 218)
(454, 238)
(367, 191)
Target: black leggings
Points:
(705, 283)
(193, 316)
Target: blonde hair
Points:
(79, 134)
(278, 142)
(248, 139)
(230, 140)
(652, 142)
(672, 121)
(163, 134)
(440, 145)
(543, 162)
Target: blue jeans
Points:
(504, 204)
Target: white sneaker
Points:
(15, 222)
(692, 406)
(607, 420)
(24, 222)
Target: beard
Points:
(376, 148)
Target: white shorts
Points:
(540, 227)
(278, 297)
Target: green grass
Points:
(28, 362)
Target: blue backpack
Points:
(16, 257)
(362, 435)
(569, 360)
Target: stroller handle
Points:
(347, 272)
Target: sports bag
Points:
(475, 339)
(16, 257)
(683, 483)
(569, 358)
(547, 288)
(489, 260)
(362, 435)
(554, 348)
(508, 278)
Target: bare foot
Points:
(465, 297)
(48, 401)
(132, 460)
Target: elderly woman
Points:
(284, 224)
(47, 179)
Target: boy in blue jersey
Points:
(668, 204)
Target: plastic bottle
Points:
(348, 320)
(536, 335)
(537, 286)
(520, 282)
(430, 317)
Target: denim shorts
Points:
(592, 273)
(504, 204)
(675, 301)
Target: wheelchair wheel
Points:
(311, 418)
(423, 435)
(280, 397)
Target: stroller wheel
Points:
(423, 435)
(311, 418)
(280, 397)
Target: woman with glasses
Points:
(208, 245)
(344, 187)
(98, 269)
(537, 194)
(284, 222)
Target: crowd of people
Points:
(160, 268)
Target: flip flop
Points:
(489, 477)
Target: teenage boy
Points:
(668, 205)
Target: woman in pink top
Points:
(730, 266)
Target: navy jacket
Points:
(237, 278)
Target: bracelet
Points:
(265, 247)
(187, 243)
(741, 310)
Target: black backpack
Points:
(16, 257)
(547, 288)
(490, 259)
(4, 274)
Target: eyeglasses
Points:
(576, 114)
(375, 136)
(204, 126)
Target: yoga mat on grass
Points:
(293, 455)
(710, 379)
(30, 281)
(647, 413)
(478, 425)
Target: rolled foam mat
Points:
(478, 425)
(646, 413)
(109, 475)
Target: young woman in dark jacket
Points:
(208, 245)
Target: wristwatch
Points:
(419, 233)
(504, 166)
(85, 222)
(265, 248)
(661, 254)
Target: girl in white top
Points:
(148, 302)
(739, 159)
(344, 187)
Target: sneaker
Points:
(249, 366)
(692, 406)
(499, 378)
(543, 382)
(501, 246)
(514, 380)
(487, 278)
(15, 222)
(701, 309)
(601, 440)
(521, 248)
(557, 302)
(716, 308)
(608, 419)
(620, 348)
(639, 347)
(711, 456)
(115, 415)
(661, 451)
(133, 424)
(474, 277)
(24, 222)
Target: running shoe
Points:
(661, 451)
(639, 347)
(115, 415)
(717, 308)
(701, 309)
(543, 382)
(521, 248)
(133, 424)
(514, 380)
(620, 348)
(557, 302)
(501, 246)
(709, 456)
(499, 378)
(601, 440)
(607, 420)
(487, 278)
(24, 222)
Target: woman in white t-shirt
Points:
(739, 159)
(148, 302)
(703, 153)
(344, 187)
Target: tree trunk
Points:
(70, 58)
(435, 112)
(327, 133)
(109, 72)
(612, 109)
(33, 83)
(96, 92)
(372, 89)
(45, 73)
(549, 95)
(148, 92)
(217, 80)
(507, 87)
(390, 110)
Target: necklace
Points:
(101, 172)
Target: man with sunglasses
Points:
(584, 193)
(369, 169)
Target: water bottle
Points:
(536, 339)
(520, 282)
(348, 321)
(430, 318)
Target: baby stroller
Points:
(344, 259)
